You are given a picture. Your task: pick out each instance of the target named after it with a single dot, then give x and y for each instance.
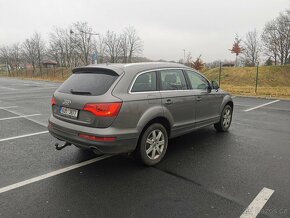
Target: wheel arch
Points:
(160, 119)
(227, 101)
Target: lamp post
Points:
(95, 55)
(220, 72)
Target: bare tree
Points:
(188, 59)
(29, 52)
(60, 46)
(113, 46)
(40, 49)
(100, 48)
(252, 48)
(34, 51)
(16, 56)
(83, 41)
(270, 41)
(135, 44)
(5, 56)
(276, 38)
(124, 44)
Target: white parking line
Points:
(51, 174)
(23, 136)
(243, 124)
(4, 108)
(27, 118)
(17, 117)
(3, 87)
(26, 91)
(20, 98)
(26, 98)
(258, 203)
(262, 105)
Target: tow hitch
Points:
(57, 147)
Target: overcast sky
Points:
(167, 27)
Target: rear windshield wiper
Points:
(80, 92)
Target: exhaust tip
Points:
(95, 150)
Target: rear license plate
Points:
(69, 112)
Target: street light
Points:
(95, 55)
(183, 56)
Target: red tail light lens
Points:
(53, 101)
(95, 138)
(104, 109)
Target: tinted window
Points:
(197, 81)
(145, 82)
(89, 83)
(172, 80)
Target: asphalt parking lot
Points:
(242, 173)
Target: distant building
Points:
(228, 65)
(49, 64)
(4, 68)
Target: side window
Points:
(197, 81)
(172, 80)
(145, 82)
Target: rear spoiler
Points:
(94, 69)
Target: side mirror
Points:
(215, 85)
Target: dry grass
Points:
(57, 75)
(274, 81)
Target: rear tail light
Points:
(104, 109)
(53, 101)
(95, 138)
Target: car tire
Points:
(225, 120)
(152, 145)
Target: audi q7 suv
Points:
(124, 108)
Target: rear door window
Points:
(89, 83)
(172, 80)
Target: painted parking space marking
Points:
(18, 117)
(27, 91)
(27, 118)
(258, 203)
(21, 97)
(262, 105)
(4, 108)
(7, 88)
(23, 136)
(51, 174)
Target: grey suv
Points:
(123, 108)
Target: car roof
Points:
(132, 67)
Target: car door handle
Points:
(198, 98)
(168, 101)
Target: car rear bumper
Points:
(126, 141)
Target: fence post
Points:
(257, 77)
(220, 72)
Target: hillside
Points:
(273, 80)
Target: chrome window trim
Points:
(160, 69)
(148, 71)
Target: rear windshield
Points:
(88, 83)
